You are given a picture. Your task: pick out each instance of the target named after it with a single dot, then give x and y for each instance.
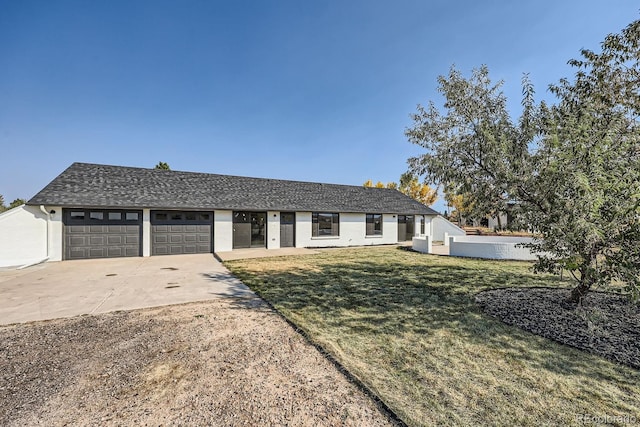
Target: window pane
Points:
(176, 217)
(325, 224)
(377, 224)
(161, 217)
(96, 215)
(115, 216)
(77, 215)
(131, 216)
(241, 217)
(190, 216)
(205, 217)
(374, 224)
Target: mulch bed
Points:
(606, 324)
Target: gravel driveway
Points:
(222, 362)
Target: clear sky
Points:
(314, 91)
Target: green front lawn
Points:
(407, 326)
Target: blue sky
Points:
(315, 91)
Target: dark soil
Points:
(606, 324)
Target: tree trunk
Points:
(499, 221)
(579, 292)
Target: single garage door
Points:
(174, 232)
(102, 233)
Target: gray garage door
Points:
(102, 233)
(174, 232)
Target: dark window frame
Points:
(319, 222)
(373, 228)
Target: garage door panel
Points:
(114, 252)
(160, 238)
(181, 232)
(131, 240)
(97, 240)
(77, 253)
(78, 240)
(92, 237)
(175, 238)
(161, 250)
(115, 240)
(131, 251)
(97, 253)
(75, 229)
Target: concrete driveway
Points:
(72, 288)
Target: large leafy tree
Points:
(420, 191)
(411, 186)
(573, 168)
(461, 205)
(469, 146)
(584, 197)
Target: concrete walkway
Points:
(262, 253)
(72, 288)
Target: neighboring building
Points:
(99, 211)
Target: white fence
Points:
(490, 247)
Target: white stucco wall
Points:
(23, 236)
(222, 231)
(422, 244)
(55, 233)
(490, 247)
(352, 231)
(273, 230)
(146, 232)
(440, 226)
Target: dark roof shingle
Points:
(92, 185)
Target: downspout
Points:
(48, 243)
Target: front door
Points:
(287, 229)
(406, 227)
(411, 224)
(249, 230)
(402, 228)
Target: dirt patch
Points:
(606, 324)
(223, 362)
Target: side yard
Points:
(408, 327)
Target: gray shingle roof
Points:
(91, 185)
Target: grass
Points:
(407, 326)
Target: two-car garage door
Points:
(174, 232)
(102, 233)
(110, 233)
